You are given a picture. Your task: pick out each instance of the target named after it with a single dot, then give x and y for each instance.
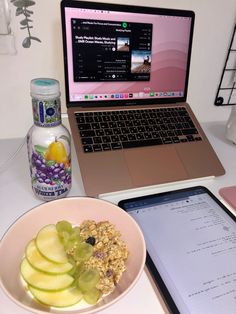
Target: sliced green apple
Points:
(50, 246)
(38, 261)
(42, 281)
(63, 298)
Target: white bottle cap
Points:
(44, 88)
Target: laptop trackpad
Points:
(154, 165)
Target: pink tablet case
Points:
(229, 195)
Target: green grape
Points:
(88, 279)
(78, 270)
(69, 244)
(63, 226)
(72, 261)
(92, 296)
(69, 236)
(71, 241)
(64, 236)
(76, 230)
(83, 251)
(74, 236)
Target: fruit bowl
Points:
(75, 210)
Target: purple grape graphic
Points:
(49, 172)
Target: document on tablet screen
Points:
(192, 242)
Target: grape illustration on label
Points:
(51, 166)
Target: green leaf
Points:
(57, 181)
(23, 3)
(19, 11)
(34, 180)
(29, 12)
(29, 3)
(18, 3)
(26, 27)
(50, 163)
(24, 22)
(35, 38)
(68, 171)
(40, 149)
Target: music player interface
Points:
(114, 55)
(111, 51)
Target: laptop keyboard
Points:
(121, 129)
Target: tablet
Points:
(191, 242)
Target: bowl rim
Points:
(92, 310)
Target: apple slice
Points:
(50, 246)
(42, 281)
(63, 298)
(36, 259)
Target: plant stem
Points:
(24, 9)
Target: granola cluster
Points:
(110, 252)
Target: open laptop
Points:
(126, 79)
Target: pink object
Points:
(229, 195)
(75, 210)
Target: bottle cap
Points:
(44, 87)
(46, 103)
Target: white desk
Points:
(16, 198)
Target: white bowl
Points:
(75, 210)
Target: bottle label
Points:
(47, 113)
(51, 169)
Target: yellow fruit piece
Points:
(42, 281)
(50, 246)
(56, 151)
(35, 258)
(63, 298)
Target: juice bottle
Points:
(48, 142)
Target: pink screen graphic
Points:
(168, 58)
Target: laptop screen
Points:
(116, 54)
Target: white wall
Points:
(215, 20)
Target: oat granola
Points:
(110, 252)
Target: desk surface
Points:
(16, 198)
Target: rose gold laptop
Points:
(126, 78)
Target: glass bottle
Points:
(48, 142)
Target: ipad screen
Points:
(191, 241)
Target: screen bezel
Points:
(149, 262)
(124, 8)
